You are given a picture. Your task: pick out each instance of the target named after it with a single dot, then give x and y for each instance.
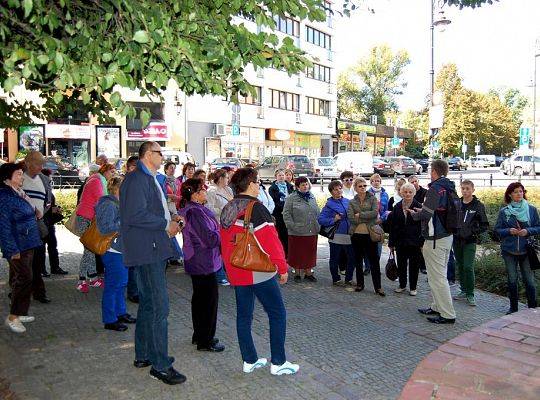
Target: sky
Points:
(492, 46)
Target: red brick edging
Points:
(497, 360)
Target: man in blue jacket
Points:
(146, 228)
(437, 245)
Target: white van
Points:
(489, 158)
(359, 162)
(178, 157)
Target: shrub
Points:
(67, 199)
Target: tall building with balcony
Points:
(290, 114)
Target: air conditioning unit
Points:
(219, 130)
(298, 118)
(260, 112)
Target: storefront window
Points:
(133, 146)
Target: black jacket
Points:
(474, 221)
(277, 196)
(404, 231)
(420, 195)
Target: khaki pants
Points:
(436, 264)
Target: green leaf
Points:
(10, 83)
(145, 118)
(58, 97)
(58, 60)
(106, 57)
(116, 99)
(43, 59)
(27, 4)
(85, 96)
(141, 37)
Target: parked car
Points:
(424, 165)
(521, 164)
(478, 162)
(456, 164)
(298, 163)
(325, 167)
(230, 162)
(381, 167)
(178, 157)
(402, 165)
(490, 159)
(499, 160)
(63, 173)
(359, 162)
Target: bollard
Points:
(460, 178)
(490, 180)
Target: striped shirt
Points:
(34, 189)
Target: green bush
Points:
(67, 199)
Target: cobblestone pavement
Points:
(349, 345)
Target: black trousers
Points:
(204, 306)
(410, 256)
(100, 267)
(38, 265)
(364, 247)
(283, 234)
(342, 262)
(20, 282)
(52, 249)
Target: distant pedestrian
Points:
(113, 303)
(438, 243)
(420, 195)
(280, 190)
(266, 199)
(516, 222)
(201, 260)
(188, 170)
(19, 236)
(146, 228)
(396, 198)
(289, 176)
(300, 214)
(200, 174)
(171, 187)
(248, 284)
(474, 223)
(131, 164)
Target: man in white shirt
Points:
(347, 178)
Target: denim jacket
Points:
(516, 244)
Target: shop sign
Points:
(61, 131)
(32, 137)
(280, 134)
(256, 135)
(154, 131)
(356, 127)
(108, 141)
(241, 137)
(346, 137)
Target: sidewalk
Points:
(349, 345)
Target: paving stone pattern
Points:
(497, 360)
(349, 345)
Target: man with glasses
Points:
(146, 228)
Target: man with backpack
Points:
(439, 215)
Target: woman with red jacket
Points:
(96, 186)
(248, 284)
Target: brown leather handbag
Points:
(247, 253)
(94, 241)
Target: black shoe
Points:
(170, 377)
(45, 274)
(338, 283)
(380, 292)
(43, 299)
(428, 311)
(116, 326)
(134, 299)
(511, 311)
(59, 271)
(297, 278)
(441, 320)
(213, 341)
(141, 363)
(367, 272)
(175, 263)
(216, 348)
(359, 288)
(423, 271)
(127, 319)
(310, 278)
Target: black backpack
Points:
(452, 216)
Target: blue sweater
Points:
(383, 203)
(516, 244)
(18, 226)
(108, 218)
(333, 207)
(142, 220)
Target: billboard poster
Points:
(32, 137)
(62, 131)
(154, 131)
(108, 141)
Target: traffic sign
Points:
(477, 148)
(235, 130)
(235, 108)
(436, 145)
(463, 148)
(524, 137)
(395, 142)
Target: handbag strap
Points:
(247, 215)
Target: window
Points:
(287, 25)
(318, 38)
(285, 100)
(318, 106)
(319, 72)
(249, 99)
(156, 114)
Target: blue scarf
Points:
(282, 186)
(306, 196)
(519, 209)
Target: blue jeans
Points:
(113, 301)
(269, 295)
(527, 275)
(367, 265)
(151, 331)
(132, 290)
(335, 252)
(451, 268)
(220, 275)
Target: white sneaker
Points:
(248, 368)
(15, 325)
(413, 293)
(26, 318)
(286, 368)
(399, 290)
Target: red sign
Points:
(154, 131)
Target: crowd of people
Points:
(217, 215)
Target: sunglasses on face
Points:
(348, 180)
(361, 185)
(157, 151)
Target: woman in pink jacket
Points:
(95, 187)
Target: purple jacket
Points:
(201, 248)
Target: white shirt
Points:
(34, 189)
(349, 193)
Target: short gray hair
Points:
(409, 186)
